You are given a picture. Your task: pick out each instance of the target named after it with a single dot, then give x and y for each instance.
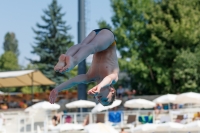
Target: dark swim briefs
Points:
(98, 30)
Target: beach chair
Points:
(131, 119)
(181, 119)
(100, 118)
(86, 120)
(39, 129)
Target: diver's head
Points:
(105, 95)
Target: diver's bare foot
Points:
(69, 64)
(61, 63)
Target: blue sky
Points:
(20, 16)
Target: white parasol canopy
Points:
(139, 103)
(100, 128)
(81, 104)
(169, 126)
(99, 107)
(192, 126)
(145, 128)
(46, 106)
(2, 93)
(189, 97)
(66, 127)
(168, 98)
(71, 126)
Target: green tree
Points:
(154, 38)
(8, 61)
(11, 43)
(52, 40)
(104, 24)
(28, 90)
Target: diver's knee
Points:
(92, 48)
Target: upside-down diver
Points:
(104, 68)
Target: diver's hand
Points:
(94, 90)
(53, 96)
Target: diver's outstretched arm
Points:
(108, 80)
(82, 78)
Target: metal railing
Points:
(21, 122)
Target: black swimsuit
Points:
(98, 30)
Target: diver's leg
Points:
(100, 42)
(72, 51)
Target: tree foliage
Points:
(104, 24)
(11, 43)
(28, 90)
(8, 61)
(52, 40)
(159, 43)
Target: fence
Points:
(21, 122)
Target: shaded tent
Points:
(23, 78)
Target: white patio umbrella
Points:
(168, 98)
(145, 128)
(42, 105)
(100, 128)
(46, 106)
(169, 126)
(99, 107)
(139, 103)
(81, 104)
(2, 93)
(66, 127)
(189, 97)
(70, 126)
(192, 126)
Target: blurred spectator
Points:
(122, 130)
(68, 119)
(129, 94)
(29, 103)
(133, 91)
(196, 116)
(4, 106)
(12, 104)
(22, 104)
(158, 108)
(146, 119)
(120, 92)
(2, 120)
(56, 119)
(181, 118)
(177, 106)
(174, 106)
(180, 106)
(86, 120)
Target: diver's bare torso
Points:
(103, 64)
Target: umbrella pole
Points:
(81, 110)
(32, 88)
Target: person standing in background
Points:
(120, 92)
